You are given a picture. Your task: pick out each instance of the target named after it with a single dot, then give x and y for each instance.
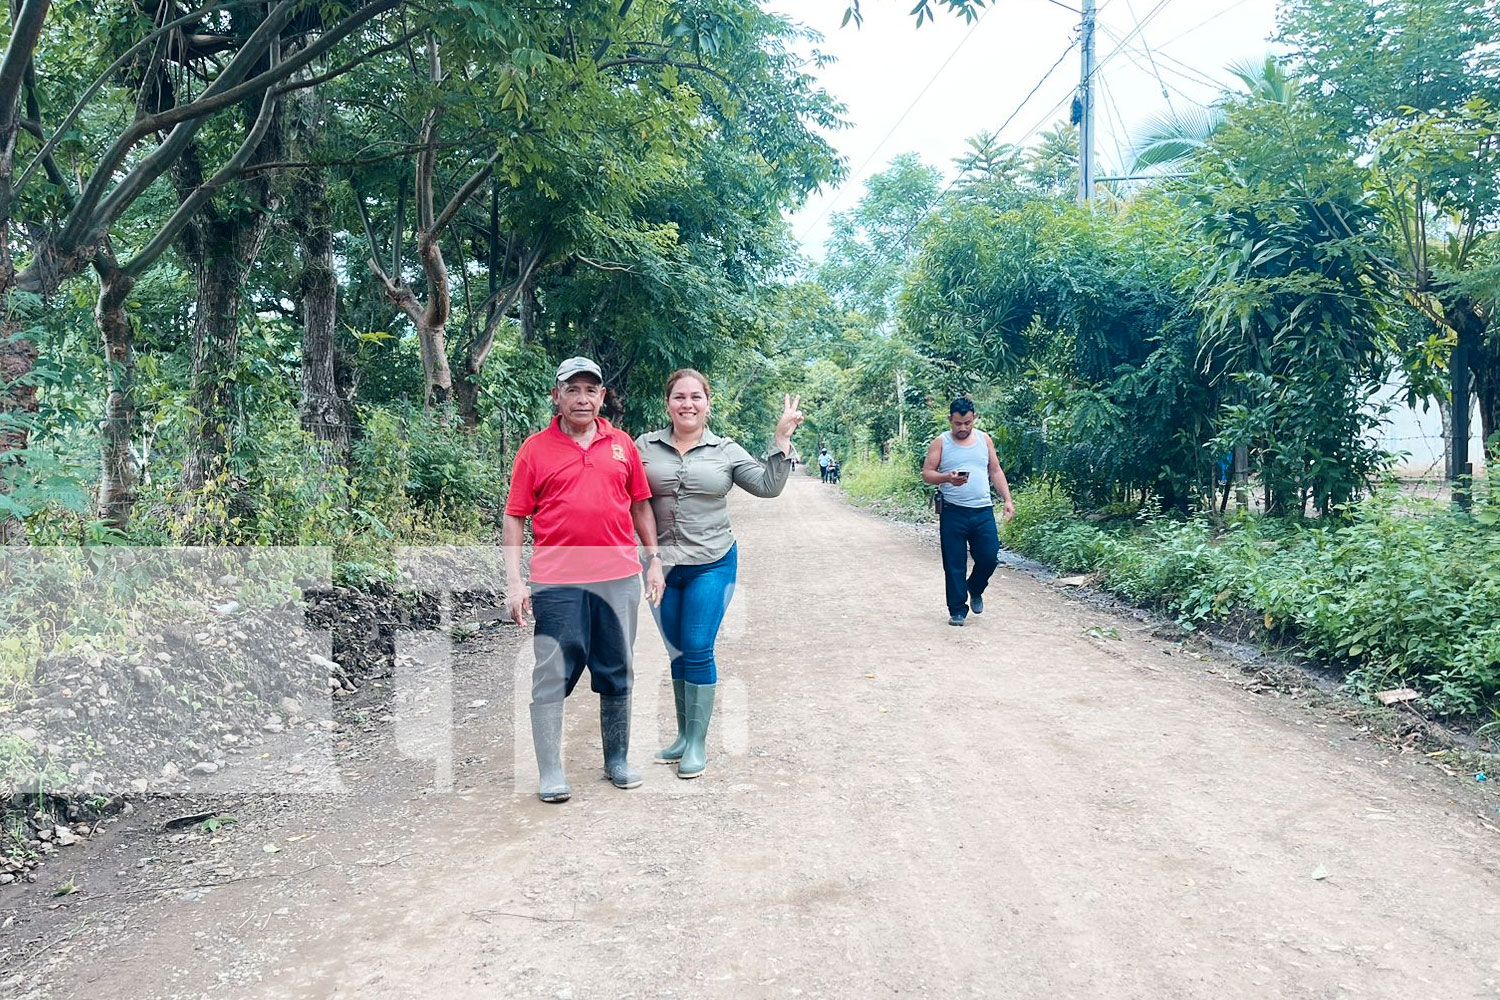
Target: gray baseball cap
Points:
(578, 366)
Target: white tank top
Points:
(976, 458)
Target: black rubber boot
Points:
(614, 726)
(546, 737)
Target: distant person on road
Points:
(582, 484)
(962, 464)
(825, 461)
(691, 471)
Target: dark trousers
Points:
(966, 530)
(583, 625)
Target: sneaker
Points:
(976, 604)
(955, 619)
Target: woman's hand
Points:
(656, 582)
(791, 417)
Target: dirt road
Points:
(1011, 809)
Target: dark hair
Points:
(692, 373)
(961, 405)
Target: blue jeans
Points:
(691, 611)
(963, 530)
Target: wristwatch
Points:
(654, 555)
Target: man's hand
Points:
(656, 582)
(1009, 510)
(518, 602)
(957, 478)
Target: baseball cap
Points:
(578, 366)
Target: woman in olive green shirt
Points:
(691, 470)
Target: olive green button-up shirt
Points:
(689, 491)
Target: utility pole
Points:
(1086, 109)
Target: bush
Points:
(892, 487)
(1394, 594)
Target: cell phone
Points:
(963, 473)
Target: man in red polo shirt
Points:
(582, 484)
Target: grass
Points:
(1393, 593)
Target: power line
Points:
(1139, 27)
(1119, 120)
(1130, 54)
(901, 241)
(892, 131)
(1178, 68)
(1045, 77)
(1152, 59)
(1207, 20)
(1190, 72)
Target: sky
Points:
(927, 90)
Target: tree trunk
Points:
(117, 466)
(18, 402)
(322, 409)
(1460, 386)
(432, 328)
(1484, 363)
(222, 244)
(531, 314)
(216, 343)
(466, 397)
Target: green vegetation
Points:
(292, 315)
(1394, 593)
(1212, 342)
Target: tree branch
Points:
(19, 49)
(187, 118)
(338, 71)
(364, 218)
(114, 68)
(190, 205)
(463, 194)
(604, 45)
(94, 212)
(495, 309)
(601, 266)
(653, 61)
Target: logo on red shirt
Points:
(618, 451)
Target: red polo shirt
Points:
(579, 503)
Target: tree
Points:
(1413, 85)
(869, 246)
(1173, 137)
(1290, 257)
(254, 58)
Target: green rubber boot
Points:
(547, 737)
(698, 709)
(673, 753)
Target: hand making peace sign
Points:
(791, 416)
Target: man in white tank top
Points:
(963, 465)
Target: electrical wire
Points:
(1150, 58)
(1217, 85)
(901, 241)
(1139, 27)
(1207, 20)
(833, 202)
(1113, 109)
